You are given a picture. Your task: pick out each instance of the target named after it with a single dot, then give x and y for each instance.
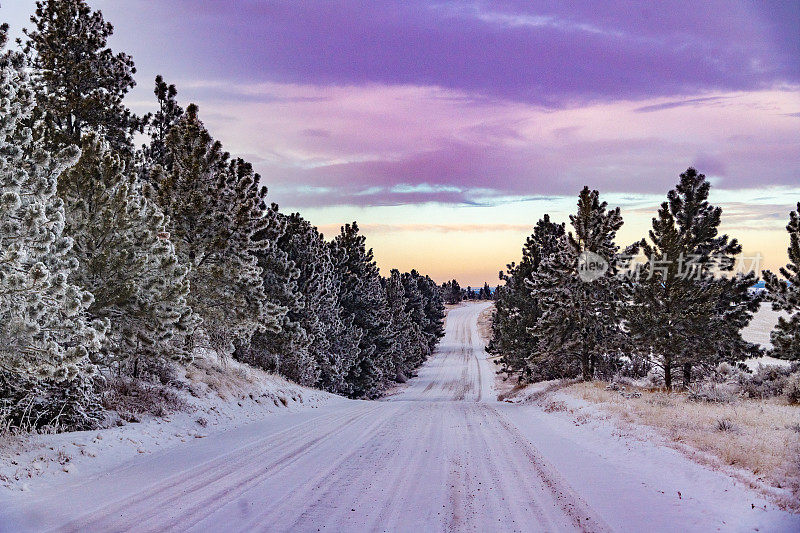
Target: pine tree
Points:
(411, 346)
(363, 300)
(215, 209)
(433, 306)
(785, 296)
(580, 322)
(452, 292)
(415, 310)
(333, 338)
(515, 337)
(44, 333)
(400, 325)
(158, 124)
(287, 349)
(125, 259)
(681, 314)
(487, 292)
(80, 82)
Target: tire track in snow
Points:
(435, 456)
(164, 496)
(563, 495)
(326, 489)
(201, 510)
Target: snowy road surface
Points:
(441, 455)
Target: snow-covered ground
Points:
(216, 401)
(440, 454)
(758, 331)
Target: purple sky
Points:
(535, 52)
(352, 109)
(506, 62)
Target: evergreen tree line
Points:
(678, 309)
(117, 260)
(453, 293)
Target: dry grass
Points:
(224, 377)
(759, 436)
(8, 436)
(14, 439)
(507, 389)
(132, 398)
(485, 323)
(232, 380)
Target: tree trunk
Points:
(668, 373)
(585, 368)
(687, 374)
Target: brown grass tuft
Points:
(485, 323)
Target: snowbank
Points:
(219, 396)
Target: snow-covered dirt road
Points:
(439, 455)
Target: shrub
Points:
(160, 371)
(726, 373)
(32, 405)
(635, 366)
(766, 382)
(791, 388)
(710, 392)
(725, 424)
(655, 377)
(132, 398)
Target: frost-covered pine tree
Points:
(287, 349)
(215, 208)
(363, 301)
(158, 124)
(80, 82)
(487, 291)
(682, 315)
(452, 292)
(785, 296)
(580, 321)
(399, 323)
(125, 259)
(333, 338)
(433, 304)
(44, 332)
(515, 337)
(408, 351)
(415, 309)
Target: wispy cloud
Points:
(681, 103)
(475, 102)
(379, 145)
